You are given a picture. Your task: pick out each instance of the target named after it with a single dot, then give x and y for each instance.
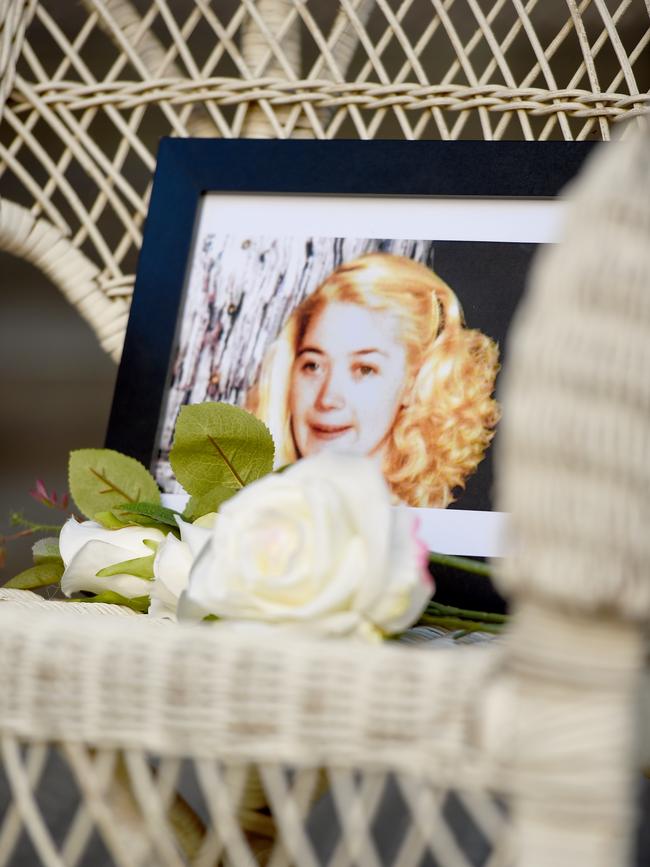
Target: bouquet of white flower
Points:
(317, 546)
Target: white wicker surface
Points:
(217, 693)
(119, 697)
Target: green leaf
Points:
(101, 479)
(37, 576)
(218, 445)
(141, 567)
(137, 603)
(209, 502)
(109, 520)
(116, 519)
(147, 513)
(46, 551)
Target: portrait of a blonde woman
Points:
(379, 361)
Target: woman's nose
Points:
(331, 394)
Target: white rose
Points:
(318, 546)
(172, 563)
(87, 548)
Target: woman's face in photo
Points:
(347, 382)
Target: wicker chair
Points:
(194, 745)
(197, 745)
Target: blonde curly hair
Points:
(442, 430)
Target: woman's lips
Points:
(329, 431)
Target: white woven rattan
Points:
(87, 90)
(200, 744)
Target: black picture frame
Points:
(189, 168)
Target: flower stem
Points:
(436, 609)
(465, 564)
(18, 521)
(457, 623)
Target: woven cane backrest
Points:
(87, 90)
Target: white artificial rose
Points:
(318, 546)
(87, 548)
(172, 563)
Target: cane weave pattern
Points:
(86, 92)
(222, 751)
(161, 744)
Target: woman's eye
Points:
(363, 370)
(310, 366)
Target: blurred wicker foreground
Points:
(87, 89)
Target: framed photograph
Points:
(356, 296)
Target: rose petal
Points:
(363, 489)
(190, 610)
(318, 548)
(171, 568)
(81, 572)
(404, 595)
(196, 535)
(74, 535)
